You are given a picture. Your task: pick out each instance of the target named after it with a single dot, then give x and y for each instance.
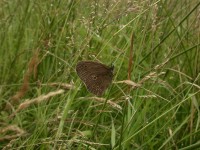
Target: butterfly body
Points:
(96, 76)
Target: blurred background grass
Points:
(41, 43)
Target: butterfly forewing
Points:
(96, 76)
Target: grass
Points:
(153, 102)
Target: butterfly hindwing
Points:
(96, 76)
(97, 84)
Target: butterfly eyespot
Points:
(94, 77)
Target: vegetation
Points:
(153, 102)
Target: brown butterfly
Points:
(96, 76)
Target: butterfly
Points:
(96, 76)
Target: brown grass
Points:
(32, 69)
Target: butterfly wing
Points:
(96, 76)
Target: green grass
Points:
(41, 43)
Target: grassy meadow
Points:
(153, 101)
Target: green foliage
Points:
(163, 113)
